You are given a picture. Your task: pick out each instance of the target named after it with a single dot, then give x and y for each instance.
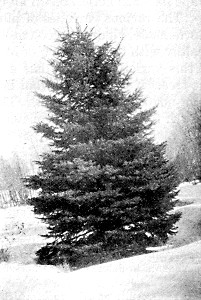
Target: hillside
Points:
(173, 274)
(170, 274)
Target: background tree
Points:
(106, 188)
(12, 189)
(184, 143)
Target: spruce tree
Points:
(106, 189)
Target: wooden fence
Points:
(13, 197)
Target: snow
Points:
(20, 232)
(174, 273)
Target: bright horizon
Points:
(161, 43)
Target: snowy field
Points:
(169, 274)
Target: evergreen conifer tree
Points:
(106, 189)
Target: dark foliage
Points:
(106, 188)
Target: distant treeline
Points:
(10, 198)
(12, 173)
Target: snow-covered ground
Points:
(20, 232)
(169, 274)
(172, 274)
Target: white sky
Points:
(161, 44)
